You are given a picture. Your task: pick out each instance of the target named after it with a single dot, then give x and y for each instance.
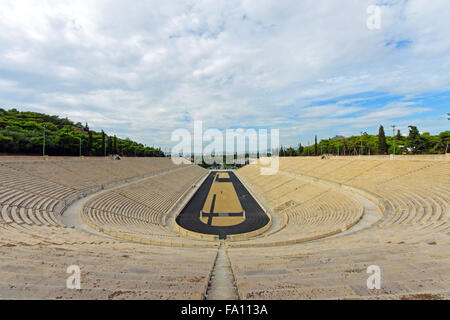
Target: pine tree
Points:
(382, 146)
(415, 142)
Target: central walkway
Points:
(222, 284)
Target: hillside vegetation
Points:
(23, 133)
(367, 144)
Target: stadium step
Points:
(222, 285)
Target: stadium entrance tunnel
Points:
(222, 206)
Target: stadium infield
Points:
(190, 217)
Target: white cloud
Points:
(146, 68)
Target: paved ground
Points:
(255, 216)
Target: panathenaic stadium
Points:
(150, 229)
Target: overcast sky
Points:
(141, 69)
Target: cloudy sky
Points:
(141, 69)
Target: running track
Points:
(256, 218)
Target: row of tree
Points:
(366, 144)
(25, 133)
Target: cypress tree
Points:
(300, 149)
(103, 151)
(89, 146)
(382, 146)
(109, 145)
(315, 146)
(282, 152)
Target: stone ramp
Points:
(222, 283)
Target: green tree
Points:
(103, 143)
(290, 152)
(415, 142)
(382, 146)
(300, 149)
(109, 145)
(89, 145)
(315, 146)
(444, 138)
